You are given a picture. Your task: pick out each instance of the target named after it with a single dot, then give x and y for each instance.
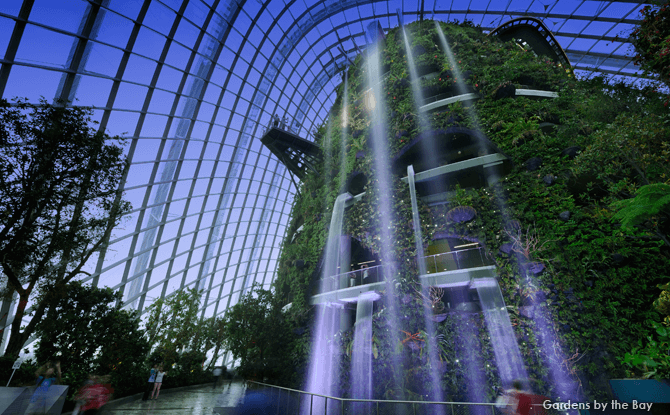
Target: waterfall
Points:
(506, 349)
(361, 355)
(323, 373)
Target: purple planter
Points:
(438, 318)
(461, 214)
(535, 267)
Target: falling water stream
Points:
(361, 355)
(323, 375)
(506, 349)
(382, 181)
(566, 387)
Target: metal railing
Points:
(445, 261)
(292, 401)
(453, 260)
(354, 278)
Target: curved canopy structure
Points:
(194, 84)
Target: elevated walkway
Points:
(473, 97)
(298, 155)
(534, 34)
(470, 277)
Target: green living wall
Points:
(574, 157)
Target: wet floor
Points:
(202, 400)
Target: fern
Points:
(649, 200)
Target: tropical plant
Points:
(260, 334)
(172, 323)
(653, 359)
(59, 201)
(651, 203)
(85, 330)
(651, 40)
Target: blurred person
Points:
(159, 381)
(217, 372)
(366, 275)
(518, 401)
(77, 398)
(50, 370)
(150, 382)
(94, 394)
(47, 375)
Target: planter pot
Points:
(438, 318)
(535, 268)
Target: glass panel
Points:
(92, 92)
(129, 9)
(42, 83)
(44, 47)
(140, 70)
(103, 59)
(149, 43)
(159, 18)
(113, 29)
(65, 16)
(6, 28)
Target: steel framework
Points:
(192, 84)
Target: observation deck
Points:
(298, 155)
(532, 33)
(461, 268)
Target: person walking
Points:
(95, 394)
(520, 402)
(150, 382)
(159, 381)
(50, 370)
(47, 375)
(217, 373)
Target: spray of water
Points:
(508, 357)
(361, 355)
(343, 134)
(566, 387)
(435, 367)
(323, 374)
(382, 173)
(428, 142)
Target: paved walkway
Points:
(193, 401)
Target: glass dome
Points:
(193, 84)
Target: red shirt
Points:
(530, 404)
(525, 403)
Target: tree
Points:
(172, 323)
(651, 40)
(259, 334)
(59, 200)
(83, 329)
(210, 335)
